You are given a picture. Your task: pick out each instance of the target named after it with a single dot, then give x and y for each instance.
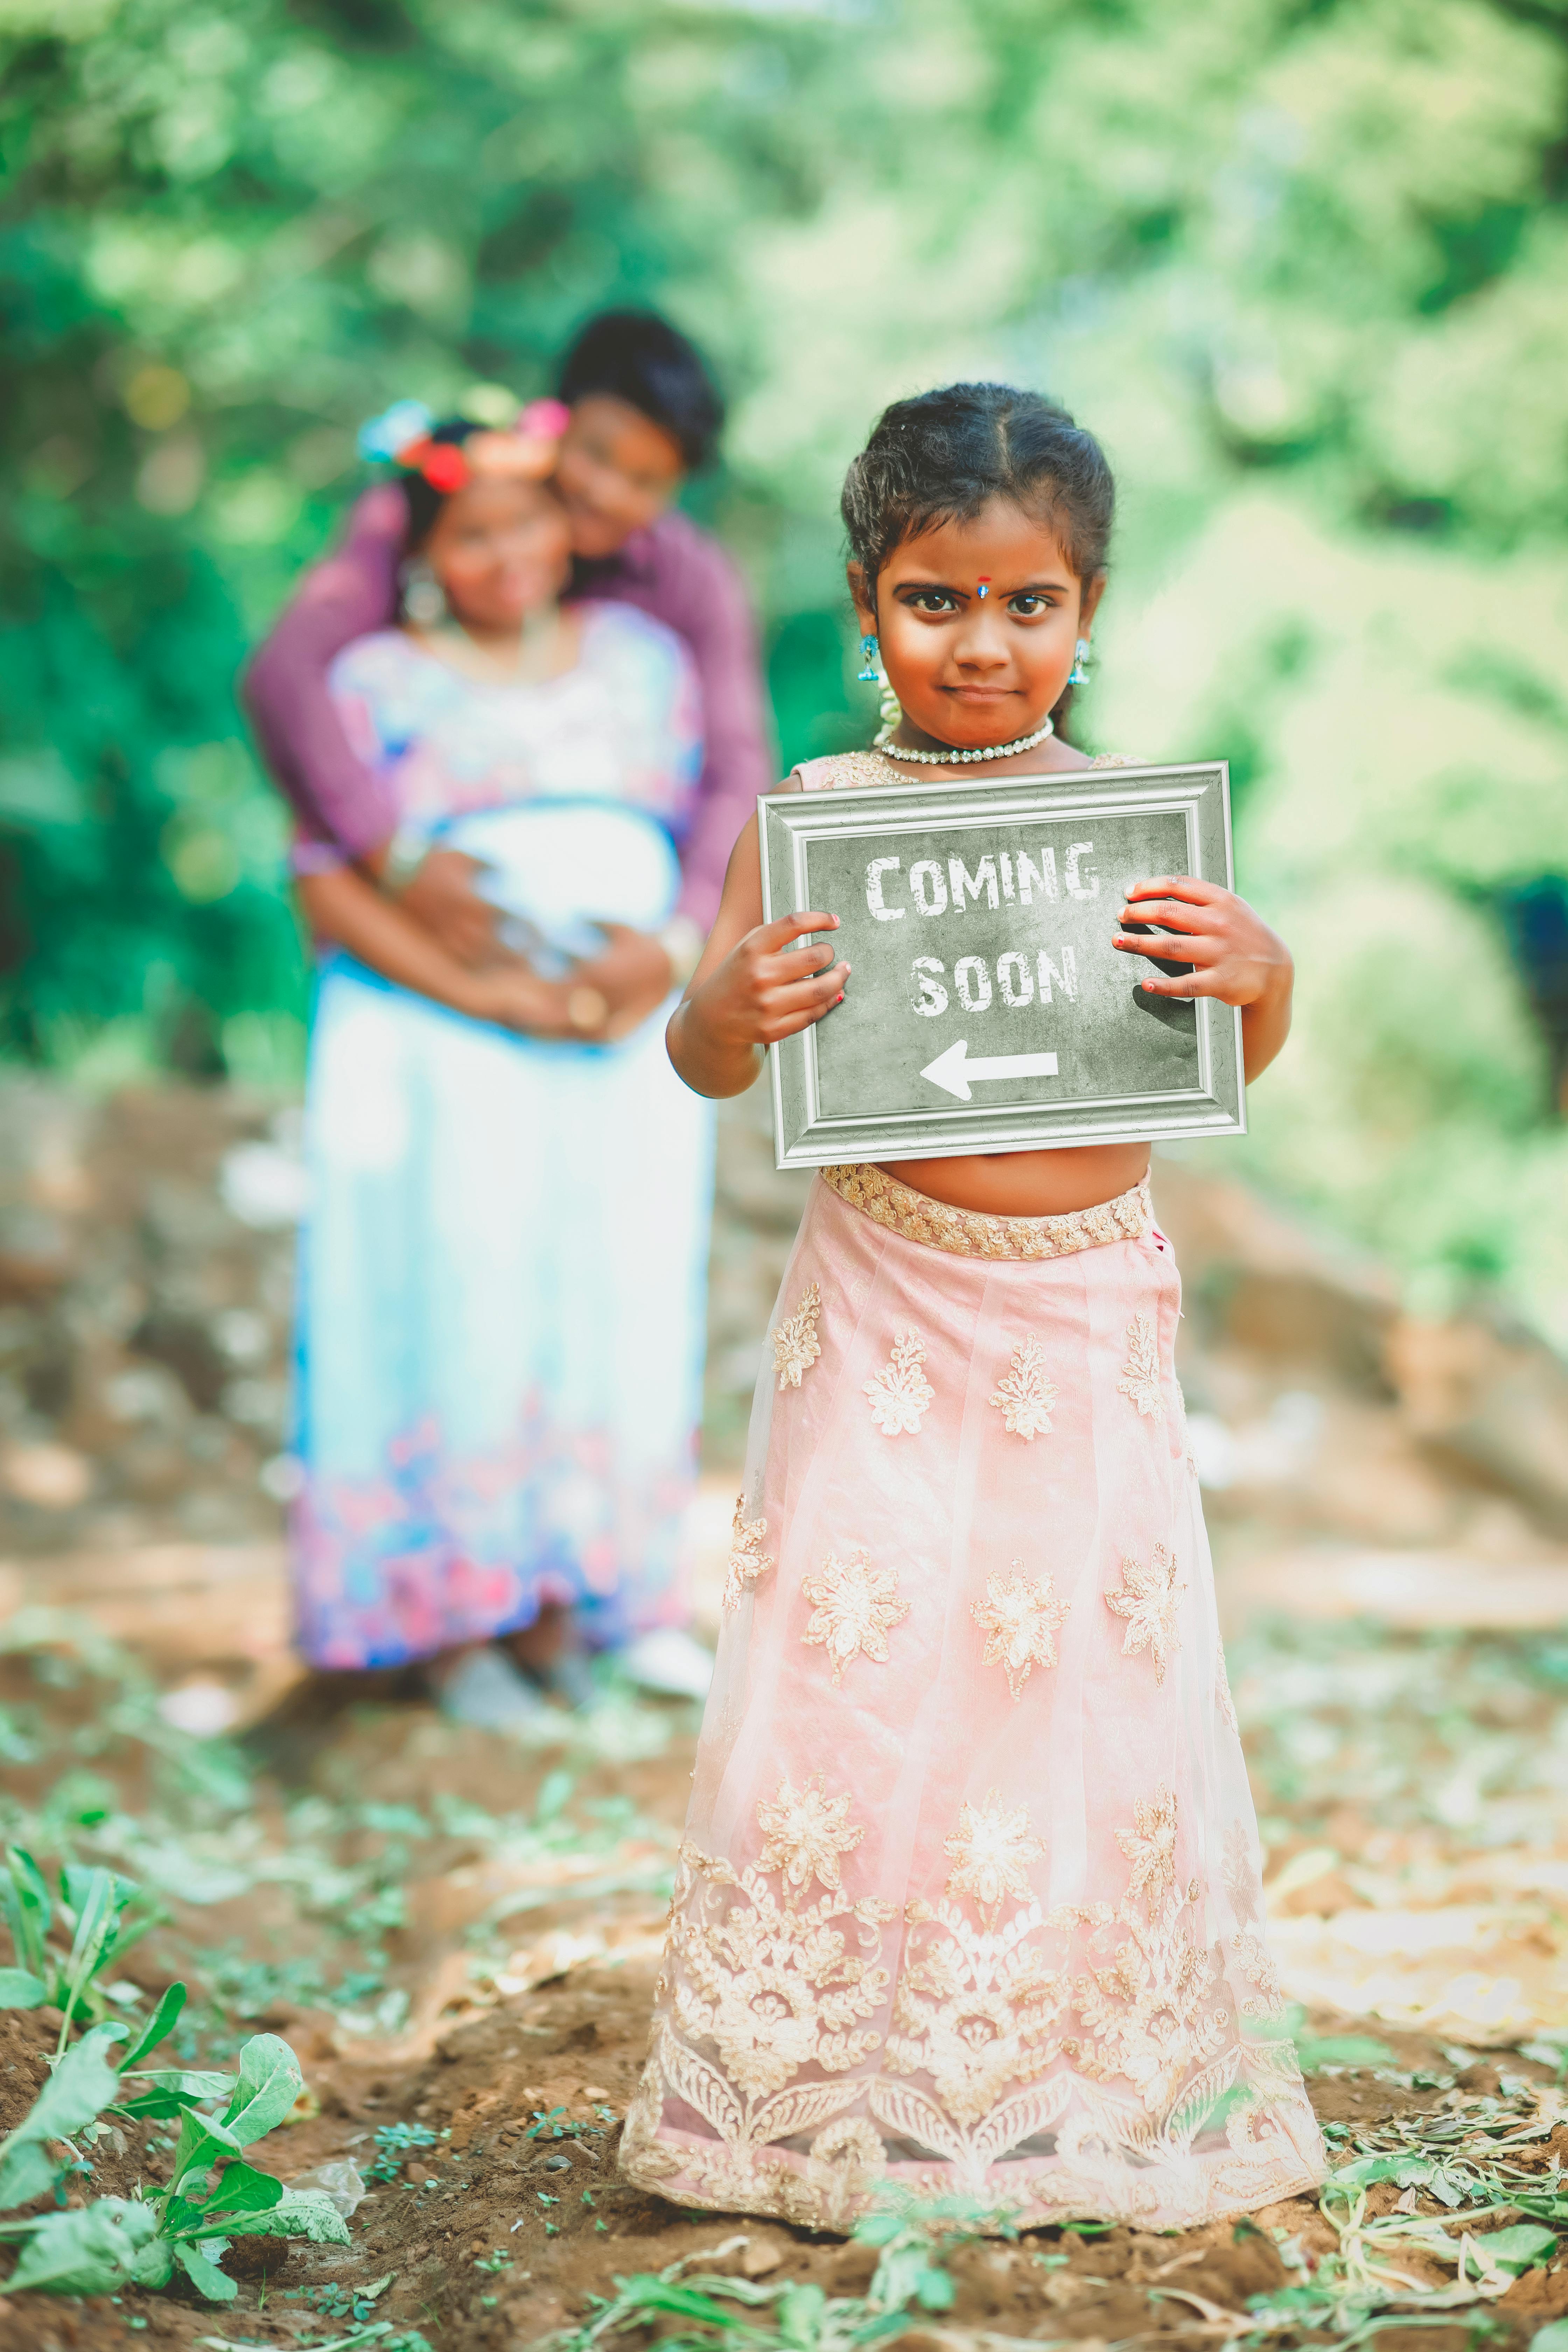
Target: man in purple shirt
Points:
(644, 413)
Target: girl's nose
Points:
(980, 643)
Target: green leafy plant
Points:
(212, 2194)
(96, 1905)
(395, 2143)
(912, 2236)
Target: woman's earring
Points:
(423, 599)
(1079, 674)
(870, 655)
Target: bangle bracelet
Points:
(683, 943)
(405, 854)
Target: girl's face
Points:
(968, 668)
(501, 548)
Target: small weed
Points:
(395, 2143)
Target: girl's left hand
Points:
(1235, 954)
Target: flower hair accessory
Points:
(523, 446)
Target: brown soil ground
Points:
(472, 2280)
(1368, 1462)
(493, 2239)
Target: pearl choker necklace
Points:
(963, 758)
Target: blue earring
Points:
(870, 654)
(1079, 674)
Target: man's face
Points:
(615, 474)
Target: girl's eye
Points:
(1027, 605)
(932, 600)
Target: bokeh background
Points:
(1302, 266)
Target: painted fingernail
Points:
(839, 998)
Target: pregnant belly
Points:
(561, 868)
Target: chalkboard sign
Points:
(987, 1009)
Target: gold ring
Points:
(586, 1009)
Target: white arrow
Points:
(952, 1073)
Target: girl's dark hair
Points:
(942, 455)
(639, 357)
(424, 501)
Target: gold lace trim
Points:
(844, 769)
(969, 1232)
(764, 2029)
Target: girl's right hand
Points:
(765, 989)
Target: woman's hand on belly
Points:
(514, 997)
(632, 975)
(443, 897)
(1027, 1183)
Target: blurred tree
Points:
(1303, 266)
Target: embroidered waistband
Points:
(969, 1232)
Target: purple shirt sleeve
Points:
(698, 592)
(299, 728)
(675, 573)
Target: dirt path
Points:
(494, 2239)
(458, 1939)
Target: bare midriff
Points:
(1027, 1183)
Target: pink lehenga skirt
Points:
(969, 1899)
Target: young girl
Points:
(969, 1900)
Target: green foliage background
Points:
(1301, 264)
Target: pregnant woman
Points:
(500, 1317)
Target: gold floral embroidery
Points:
(1025, 1395)
(1149, 1599)
(1240, 1878)
(856, 1604)
(795, 1344)
(977, 2010)
(1150, 1845)
(747, 1561)
(1222, 1697)
(1144, 2015)
(900, 1393)
(1259, 1969)
(991, 1851)
(1140, 1382)
(806, 1832)
(1155, 2107)
(772, 1985)
(1020, 1621)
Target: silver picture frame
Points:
(1007, 1022)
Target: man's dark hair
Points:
(639, 357)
